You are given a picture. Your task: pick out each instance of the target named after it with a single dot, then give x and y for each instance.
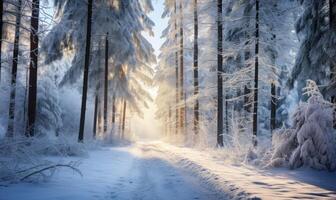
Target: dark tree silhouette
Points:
(86, 72)
(196, 87)
(219, 73)
(34, 43)
(1, 27)
(106, 82)
(256, 77)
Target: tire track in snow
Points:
(151, 177)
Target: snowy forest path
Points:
(133, 172)
(152, 177)
(157, 170)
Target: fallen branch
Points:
(52, 167)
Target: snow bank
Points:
(311, 139)
(239, 181)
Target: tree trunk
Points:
(247, 56)
(120, 118)
(123, 121)
(106, 83)
(1, 30)
(10, 128)
(86, 72)
(169, 120)
(182, 109)
(246, 99)
(113, 111)
(95, 116)
(166, 127)
(273, 106)
(185, 128)
(196, 87)
(332, 26)
(274, 100)
(219, 73)
(176, 74)
(256, 77)
(99, 121)
(34, 42)
(226, 115)
(25, 97)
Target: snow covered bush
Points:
(311, 139)
(48, 107)
(37, 158)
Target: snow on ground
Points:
(156, 170)
(241, 181)
(122, 173)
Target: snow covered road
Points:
(152, 177)
(156, 170)
(121, 173)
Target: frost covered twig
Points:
(52, 167)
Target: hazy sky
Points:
(148, 127)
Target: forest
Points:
(163, 99)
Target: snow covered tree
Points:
(177, 73)
(124, 21)
(311, 139)
(34, 45)
(316, 55)
(10, 129)
(182, 121)
(276, 50)
(48, 108)
(167, 76)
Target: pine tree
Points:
(113, 111)
(256, 76)
(34, 43)
(196, 89)
(332, 27)
(86, 72)
(123, 120)
(273, 106)
(316, 54)
(95, 113)
(170, 120)
(106, 83)
(1, 32)
(120, 119)
(219, 73)
(181, 72)
(176, 72)
(11, 115)
(99, 115)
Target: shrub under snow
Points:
(311, 139)
(37, 158)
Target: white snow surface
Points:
(157, 170)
